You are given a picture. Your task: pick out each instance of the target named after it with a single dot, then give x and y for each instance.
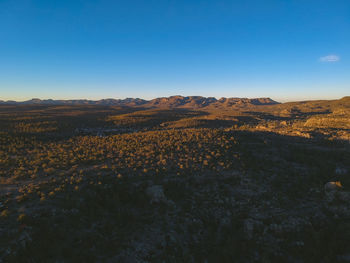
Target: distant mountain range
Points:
(169, 102)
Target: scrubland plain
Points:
(179, 179)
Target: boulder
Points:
(332, 186)
(156, 194)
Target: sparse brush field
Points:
(128, 184)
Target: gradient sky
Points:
(283, 49)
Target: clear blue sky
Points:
(284, 49)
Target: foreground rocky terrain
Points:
(229, 182)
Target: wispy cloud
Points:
(330, 58)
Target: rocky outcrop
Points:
(332, 186)
(156, 194)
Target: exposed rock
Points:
(249, 226)
(24, 239)
(331, 189)
(341, 171)
(332, 186)
(156, 194)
